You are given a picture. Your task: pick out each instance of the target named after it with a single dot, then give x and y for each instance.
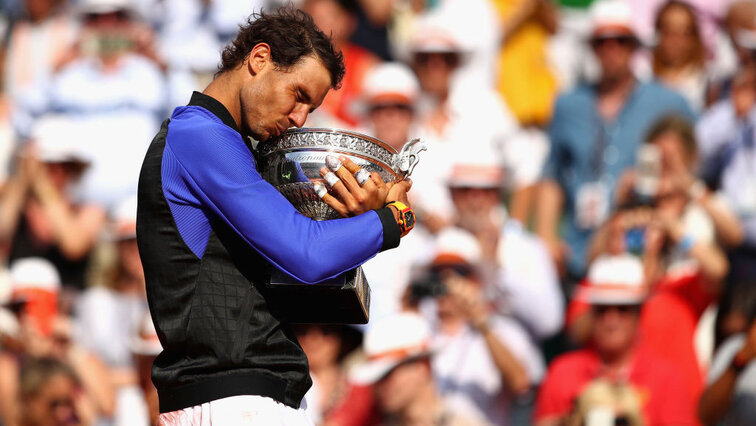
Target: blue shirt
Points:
(585, 148)
(208, 173)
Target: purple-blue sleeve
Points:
(219, 170)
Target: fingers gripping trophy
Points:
(326, 174)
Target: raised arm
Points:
(221, 174)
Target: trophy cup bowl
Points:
(292, 163)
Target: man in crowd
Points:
(399, 366)
(616, 290)
(210, 230)
(482, 361)
(595, 133)
(524, 282)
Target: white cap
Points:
(124, 216)
(390, 342)
(58, 139)
(34, 273)
(614, 280)
(455, 245)
(469, 175)
(106, 6)
(611, 18)
(434, 34)
(390, 82)
(146, 341)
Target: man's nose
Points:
(298, 116)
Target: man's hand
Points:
(468, 296)
(353, 198)
(748, 352)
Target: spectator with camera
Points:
(42, 213)
(595, 131)
(617, 357)
(113, 83)
(520, 276)
(482, 361)
(673, 228)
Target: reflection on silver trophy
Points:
(292, 163)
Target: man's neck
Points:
(424, 408)
(225, 90)
(616, 363)
(612, 94)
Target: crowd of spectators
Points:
(585, 252)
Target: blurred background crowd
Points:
(586, 244)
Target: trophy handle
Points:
(406, 160)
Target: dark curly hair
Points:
(291, 34)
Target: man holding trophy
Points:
(212, 231)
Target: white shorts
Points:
(237, 410)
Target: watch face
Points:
(409, 219)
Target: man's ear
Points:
(258, 59)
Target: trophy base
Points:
(344, 299)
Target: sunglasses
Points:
(385, 107)
(449, 59)
(623, 41)
(437, 272)
(119, 15)
(56, 403)
(599, 310)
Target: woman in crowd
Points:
(679, 57)
(665, 222)
(40, 213)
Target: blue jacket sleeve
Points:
(220, 171)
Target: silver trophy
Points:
(292, 163)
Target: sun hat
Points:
(610, 19)
(390, 82)
(36, 283)
(390, 342)
(456, 246)
(614, 280)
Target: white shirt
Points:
(467, 377)
(528, 287)
(105, 323)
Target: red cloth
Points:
(663, 395)
(668, 323)
(339, 103)
(356, 409)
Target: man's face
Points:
(395, 392)
(614, 327)
(273, 99)
(614, 55)
(391, 123)
(434, 71)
